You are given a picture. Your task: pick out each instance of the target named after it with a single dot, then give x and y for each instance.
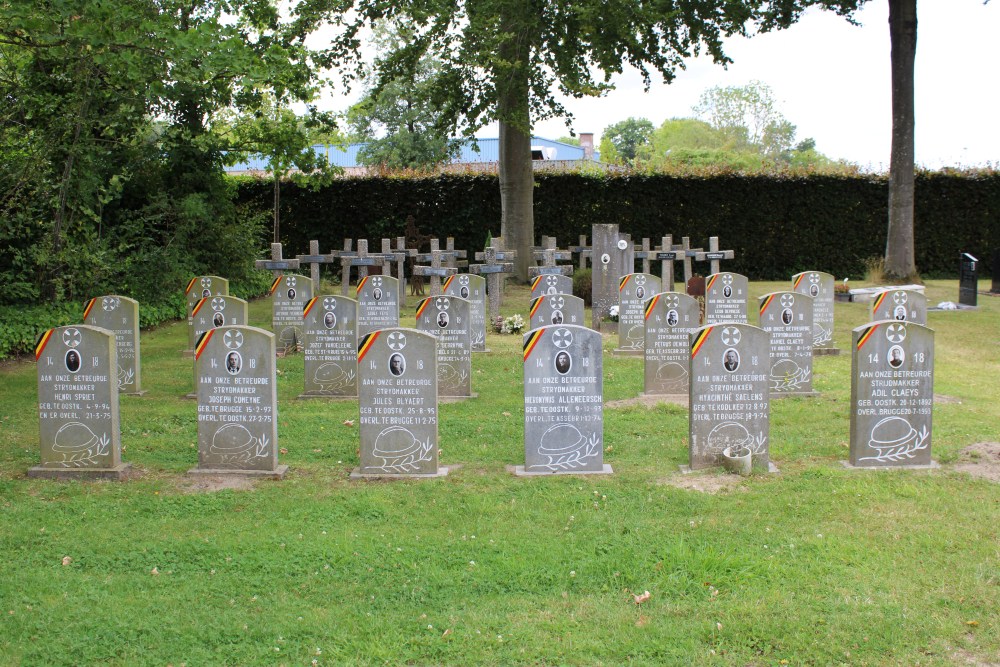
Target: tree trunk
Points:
(277, 211)
(899, 255)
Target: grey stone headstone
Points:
(612, 257)
(237, 402)
(634, 290)
(729, 400)
(563, 401)
(473, 288)
(788, 318)
(212, 313)
(330, 358)
(550, 309)
(551, 283)
(726, 297)
(289, 295)
(448, 318)
(197, 289)
(819, 286)
(120, 314)
(378, 304)
(78, 421)
(900, 305)
(671, 317)
(892, 394)
(398, 403)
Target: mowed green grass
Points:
(816, 565)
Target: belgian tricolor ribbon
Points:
(623, 281)
(202, 342)
(866, 334)
(87, 308)
(798, 280)
(711, 280)
(766, 302)
(366, 344)
(361, 284)
(699, 341)
(878, 301)
(422, 307)
(650, 305)
(308, 306)
(190, 285)
(197, 307)
(534, 306)
(43, 340)
(534, 283)
(532, 341)
(447, 282)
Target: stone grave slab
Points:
(398, 405)
(378, 304)
(120, 314)
(612, 256)
(78, 418)
(892, 395)
(447, 318)
(473, 288)
(671, 317)
(729, 405)
(819, 286)
(237, 403)
(197, 289)
(215, 312)
(551, 284)
(726, 296)
(289, 295)
(634, 289)
(549, 309)
(900, 305)
(563, 402)
(787, 317)
(330, 357)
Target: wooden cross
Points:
(435, 270)
(314, 260)
(583, 250)
(714, 255)
(276, 264)
(668, 253)
(645, 254)
(494, 269)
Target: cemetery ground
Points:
(814, 565)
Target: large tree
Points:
(506, 60)
(900, 262)
(622, 141)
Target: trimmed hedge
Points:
(777, 224)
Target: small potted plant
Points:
(841, 292)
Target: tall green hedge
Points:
(777, 224)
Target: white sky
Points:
(832, 81)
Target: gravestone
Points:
(726, 297)
(197, 289)
(550, 309)
(892, 395)
(473, 288)
(289, 295)
(612, 258)
(78, 422)
(330, 358)
(551, 284)
(634, 290)
(398, 405)
(671, 317)
(819, 286)
(237, 403)
(900, 305)
(218, 311)
(968, 280)
(494, 266)
(729, 406)
(995, 283)
(447, 318)
(788, 318)
(563, 402)
(120, 314)
(378, 304)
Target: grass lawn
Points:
(817, 565)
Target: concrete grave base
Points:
(336, 399)
(456, 399)
(929, 466)
(277, 473)
(193, 395)
(794, 394)
(187, 354)
(116, 474)
(627, 352)
(485, 349)
(682, 400)
(134, 393)
(441, 472)
(826, 351)
(519, 471)
(686, 469)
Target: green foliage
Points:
(748, 117)
(583, 285)
(622, 141)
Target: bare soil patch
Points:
(213, 483)
(980, 460)
(941, 399)
(648, 401)
(711, 482)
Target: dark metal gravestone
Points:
(968, 280)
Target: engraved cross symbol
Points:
(218, 304)
(377, 281)
(109, 303)
(557, 302)
(442, 303)
(233, 339)
(899, 298)
(731, 336)
(896, 333)
(562, 338)
(329, 303)
(72, 337)
(290, 281)
(206, 282)
(672, 301)
(787, 300)
(640, 279)
(463, 280)
(396, 341)
(727, 279)
(814, 278)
